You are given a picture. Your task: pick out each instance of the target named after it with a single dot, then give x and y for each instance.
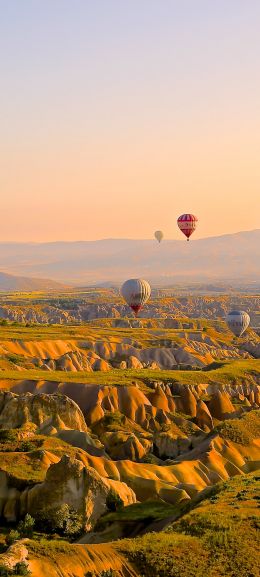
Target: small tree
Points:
(74, 524)
(22, 569)
(26, 526)
(12, 537)
(63, 519)
(114, 501)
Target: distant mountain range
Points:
(10, 282)
(233, 256)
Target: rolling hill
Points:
(234, 256)
(9, 282)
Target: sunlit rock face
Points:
(45, 412)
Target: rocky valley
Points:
(115, 428)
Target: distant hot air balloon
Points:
(136, 292)
(158, 235)
(187, 224)
(238, 321)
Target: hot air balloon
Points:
(136, 292)
(158, 235)
(238, 321)
(187, 224)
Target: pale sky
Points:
(116, 116)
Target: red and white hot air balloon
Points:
(187, 224)
(136, 292)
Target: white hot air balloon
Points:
(136, 292)
(238, 321)
(158, 235)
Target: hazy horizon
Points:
(232, 256)
(125, 238)
(117, 117)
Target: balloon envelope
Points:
(187, 224)
(136, 292)
(238, 321)
(158, 235)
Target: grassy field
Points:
(219, 537)
(103, 329)
(223, 372)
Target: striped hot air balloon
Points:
(238, 321)
(187, 224)
(136, 292)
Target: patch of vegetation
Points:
(167, 555)
(218, 537)
(113, 421)
(26, 526)
(114, 501)
(150, 459)
(214, 365)
(236, 372)
(49, 547)
(11, 440)
(23, 470)
(9, 435)
(182, 423)
(18, 360)
(27, 446)
(62, 520)
(21, 569)
(243, 430)
(12, 537)
(146, 512)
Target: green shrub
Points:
(16, 359)
(114, 501)
(22, 569)
(12, 537)
(62, 520)
(114, 420)
(74, 524)
(26, 526)
(27, 446)
(8, 435)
